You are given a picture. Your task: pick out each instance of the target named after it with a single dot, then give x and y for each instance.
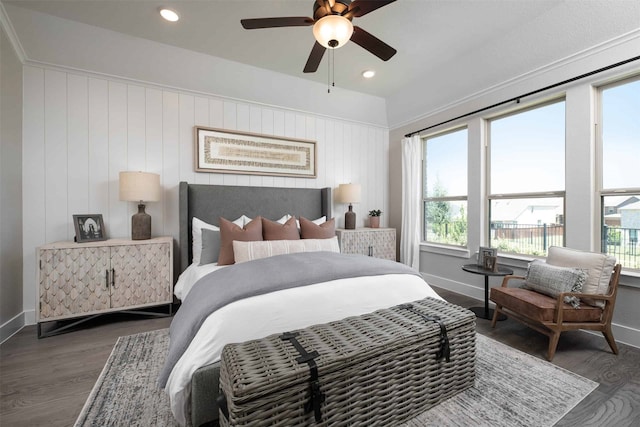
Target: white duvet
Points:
(289, 309)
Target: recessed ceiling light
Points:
(169, 14)
(367, 74)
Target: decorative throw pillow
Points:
(310, 230)
(316, 221)
(551, 280)
(230, 232)
(210, 246)
(599, 267)
(247, 251)
(197, 225)
(272, 230)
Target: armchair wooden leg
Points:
(553, 344)
(609, 337)
(496, 313)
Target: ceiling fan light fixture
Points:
(333, 31)
(169, 14)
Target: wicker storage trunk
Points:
(381, 368)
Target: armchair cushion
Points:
(551, 280)
(599, 268)
(541, 308)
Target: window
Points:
(526, 180)
(620, 185)
(445, 188)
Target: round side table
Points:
(486, 312)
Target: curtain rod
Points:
(517, 98)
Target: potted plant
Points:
(374, 218)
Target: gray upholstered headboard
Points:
(210, 202)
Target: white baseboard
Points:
(623, 334)
(11, 327)
(30, 317)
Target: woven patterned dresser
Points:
(375, 242)
(378, 369)
(83, 279)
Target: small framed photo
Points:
(491, 263)
(89, 228)
(483, 252)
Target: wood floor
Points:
(46, 382)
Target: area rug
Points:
(512, 389)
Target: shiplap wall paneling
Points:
(78, 148)
(154, 156)
(33, 179)
(56, 165)
(98, 149)
(81, 130)
(118, 218)
(186, 121)
(170, 160)
(202, 117)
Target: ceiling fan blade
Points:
(365, 6)
(290, 21)
(317, 52)
(326, 4)
(372, 44)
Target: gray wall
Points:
(10, 189)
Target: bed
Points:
(193, 382)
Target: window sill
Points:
(456, 251)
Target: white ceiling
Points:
(464, 46)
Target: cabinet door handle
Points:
(106, 279)
(113, 277)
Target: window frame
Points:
(599, 167)
(522, 195)
(425, 200)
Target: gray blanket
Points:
(222, 287)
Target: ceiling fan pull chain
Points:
(329, 72)
(333, 68)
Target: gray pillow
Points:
(210, 246)
(551, 280)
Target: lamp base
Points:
(141, 225)
(350, 219)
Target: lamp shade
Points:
(349, 193)
(333, 31)
(139, 186)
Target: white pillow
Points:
(197, 225)
(598, 266)
(284, 219)
(247, 251)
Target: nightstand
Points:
(375, 242)
(84, 280)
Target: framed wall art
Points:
(224, 151)
(89, 228)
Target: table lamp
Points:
(349, 193)
(140, 187)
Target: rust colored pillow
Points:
(230, 232)
(272, 230)
(310, 230)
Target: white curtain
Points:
(411, 189)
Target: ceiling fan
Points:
(332, 28)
